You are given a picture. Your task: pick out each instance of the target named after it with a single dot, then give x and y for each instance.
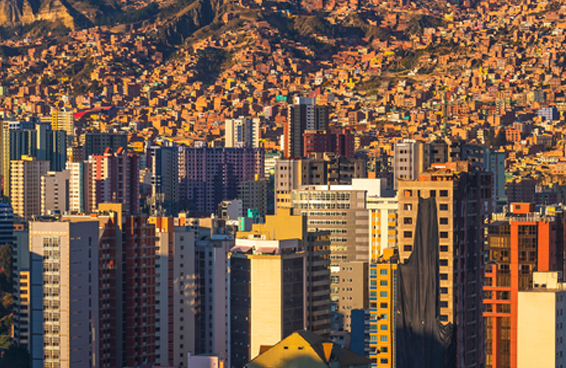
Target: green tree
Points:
(6, 265)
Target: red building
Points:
(341, 143)
(519, 243)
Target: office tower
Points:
(164, 165)
(212, 300)
(55, 190)
(64, 299)
(214, 174)
(322, 170)
(342, 210)
(79, 187)
(520, 190)
(127, 292)
(32, 139)
(382, 294)
(421, 339)
(304, 115)
(64, 120)
(541, 319)
(242, 132)
(96, 143)
(139, 300)
(518, 243)
(339, 143)
(25, 185)
(408, 160)
(254, 195)
(316, 243)
(464, 200)
(175, 291)
(6, 224)
(51, 146)
(115, 178)
(21, 288)
(495, 163)
(304, 348)
(268, 288)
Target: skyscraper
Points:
(25, 185)
(464, 200)
(214, 174)
(115, 179)
(242, 132)
(64, 120)
(519, 242)
(164, 164)
(64, 299)
(268, 287)
(304, 115)
(55, 192)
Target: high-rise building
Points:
(79, 186)
(495, 162)
(408, 160)
(519, 242)
(242, 132)
(64, 299)
(64, 120)
(304, 115)
(268, 294)
(342, 210)
(164, 164)
(382, 292)
(96, 143)
(25, 185)
(316, 243)
(6, 224)
(175, 286)
(127, 286)
(254, 194)
(21, 288)
(115, 179)
(540, 322)
(214, 174)
(464, 200)
(55, 192)
(323, 169)
(33, 139)
(340, 143)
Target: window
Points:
(384, 338)
(444, 221)
(444, 248)
(408, 220)
(408, 193)
(383, 294)
(383, 327)
(443, 304)
(444, 207)
(383, 305)
(383, 283)
(444, 276)
(407, 248)
(408, 207)
(383, 272)
(444, 193)
(384, 361)
(444, 262)
(443, 318)
(444, 234)
(443, 290)
(408, 234)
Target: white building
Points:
(64, 294)
(242, 132)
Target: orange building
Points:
(519, 242)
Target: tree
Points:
(6, 265)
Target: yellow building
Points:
(64, 120)
(25, 185)
(304, 349)
(383, 273)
